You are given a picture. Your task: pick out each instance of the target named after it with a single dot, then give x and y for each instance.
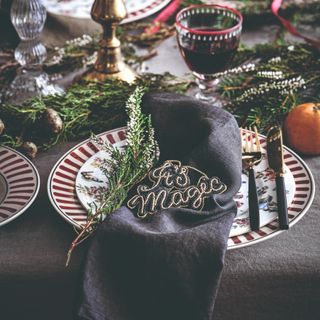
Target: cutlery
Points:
(251, 156)
(276, 163)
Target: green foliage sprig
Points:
(283, 76)
(86, 107)
(124, 169)
(83, 108)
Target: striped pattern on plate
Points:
(19, 184)
(61, 182)
(137, 9)
(62, 193)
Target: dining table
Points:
(274, 279)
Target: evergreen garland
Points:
(86, 107)
(278, 78)
(124, 169)
(282, 77)
(95, 107)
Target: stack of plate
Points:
(76, 182)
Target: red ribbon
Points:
(275, 7)
(163, 17)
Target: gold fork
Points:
(251, 156)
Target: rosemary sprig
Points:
(123, 169)
(86, 107)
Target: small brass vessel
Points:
(110, 63)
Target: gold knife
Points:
(276, 163)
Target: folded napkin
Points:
(168, 265)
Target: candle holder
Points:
(110, 63)
(28, 18)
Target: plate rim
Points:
(7, 186)
(75, 224)
(297, 218)
(35, 193)
(131, 17)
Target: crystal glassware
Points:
(28, 18)
(208, 37)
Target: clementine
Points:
(302, 128)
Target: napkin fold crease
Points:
(168, 265)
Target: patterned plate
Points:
(19, 184)
(91, 183)
(137, 9)
(63, 194)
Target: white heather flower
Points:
(288, 86)
(270, 74)
(275, 60)
(244, 68)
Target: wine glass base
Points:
(29, 84)
(207, 90)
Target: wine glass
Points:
(28, 18)
(208, 38)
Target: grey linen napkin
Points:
(167, 266)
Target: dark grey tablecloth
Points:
(275, 279)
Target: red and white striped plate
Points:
(137, 9)
(19, 184)
(62, 193)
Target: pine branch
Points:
(124, 169)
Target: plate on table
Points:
(137, 9)
(91, 183)
(19, 184)
(75, 182)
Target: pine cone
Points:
(2, 127)
(29, 149)
(53, 120)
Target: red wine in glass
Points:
(207, 62)
(208, 38)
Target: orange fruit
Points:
(302, 128)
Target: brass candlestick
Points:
(109, 64)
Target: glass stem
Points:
(207, 88)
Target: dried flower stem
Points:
(124, 169)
